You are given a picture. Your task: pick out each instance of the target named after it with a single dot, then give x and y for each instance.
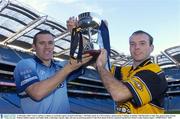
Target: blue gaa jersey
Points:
(29, 71)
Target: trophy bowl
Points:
(89, 20)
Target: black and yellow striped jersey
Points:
(147, 84)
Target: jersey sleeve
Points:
(25, 75)
(116, 71)
(145, 86)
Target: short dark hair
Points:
(143, 32)
(41, 32)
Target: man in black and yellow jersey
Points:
(136, 89)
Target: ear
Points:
(34, 47)
(152, 48)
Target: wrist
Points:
(100, 68)
(67, 69)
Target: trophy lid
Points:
(88, 20)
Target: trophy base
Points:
(94, 53)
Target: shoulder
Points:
(115, 69)
(26, 63)
(126, 67)
(150, 71)
(29, 60)
(121, 67)
(152, 67)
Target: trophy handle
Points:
(76, 39)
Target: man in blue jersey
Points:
(41, 81)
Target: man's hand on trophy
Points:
(74, 64)
(102, 59)
(71, 23)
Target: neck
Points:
(135, 64)
(47, 63)
(138, 62)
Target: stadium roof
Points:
(19, 23)
(169, 57)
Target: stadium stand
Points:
(170, 62)
(6, 55)
(171, 103)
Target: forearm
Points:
(43, 88)
(116, 88)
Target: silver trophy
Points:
(89, 23)
(88, 26)
(86, 36)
